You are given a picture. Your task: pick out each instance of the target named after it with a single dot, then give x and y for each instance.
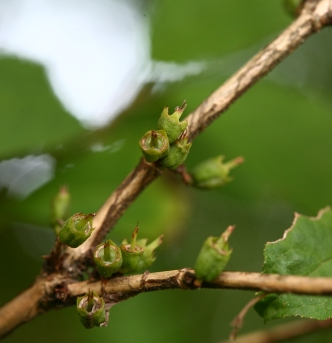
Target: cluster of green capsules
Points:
(168, 145)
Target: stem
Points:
(315, 15)
(284, 332)
(238, 320)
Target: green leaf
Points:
(305, 249)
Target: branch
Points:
(115, 206)
(185, 279)
(315, 15)
(284, 332)
(55, 290)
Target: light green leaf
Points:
(305, 249)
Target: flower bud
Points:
(91, 310)
(171, 123)
(154, 145)
(213, 173)
(76, 230)
(148, 256)
(108, 258)
(59, 209)
(131, 253)
(213, 257)
(178, 153)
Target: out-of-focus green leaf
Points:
(304, 250)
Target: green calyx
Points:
(178, 153)
(213, 256)
(108, 258)
(148, 256)
(76, 230)
(171, 122)
(213, 173)
(91, 310)
(154, 145)
(59, 209)
(131, 253)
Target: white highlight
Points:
(21, 176)
(96, 53)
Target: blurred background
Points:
(82, 81)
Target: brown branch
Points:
(284, 332)
(115, 206)
(185, 278)
(315, 15)
(55, 290)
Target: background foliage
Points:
(282, 127)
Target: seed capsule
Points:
(59, 209)
(108, 258)
(131, 253)
(213, 257)
(171, 122)
(91, 310)
(77, 229)
(154, 145)
(213, 173)
(178, 153)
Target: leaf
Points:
(305, 249)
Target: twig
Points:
(284, 332)
(185, 279)
(56, 290)
(315, 15)
(238, 320)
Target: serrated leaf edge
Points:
(296, 217)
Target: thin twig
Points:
(284, 332)
(315, 15)
(238, 320)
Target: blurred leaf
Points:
(304, 250)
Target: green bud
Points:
(91, 310)
(108, 258)
(59, 209)
(76, 230)
(131, 253)
(178, 153)
(148, 256)
(154, 145)
(171, 123)
(213, 173)
(213, 257)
